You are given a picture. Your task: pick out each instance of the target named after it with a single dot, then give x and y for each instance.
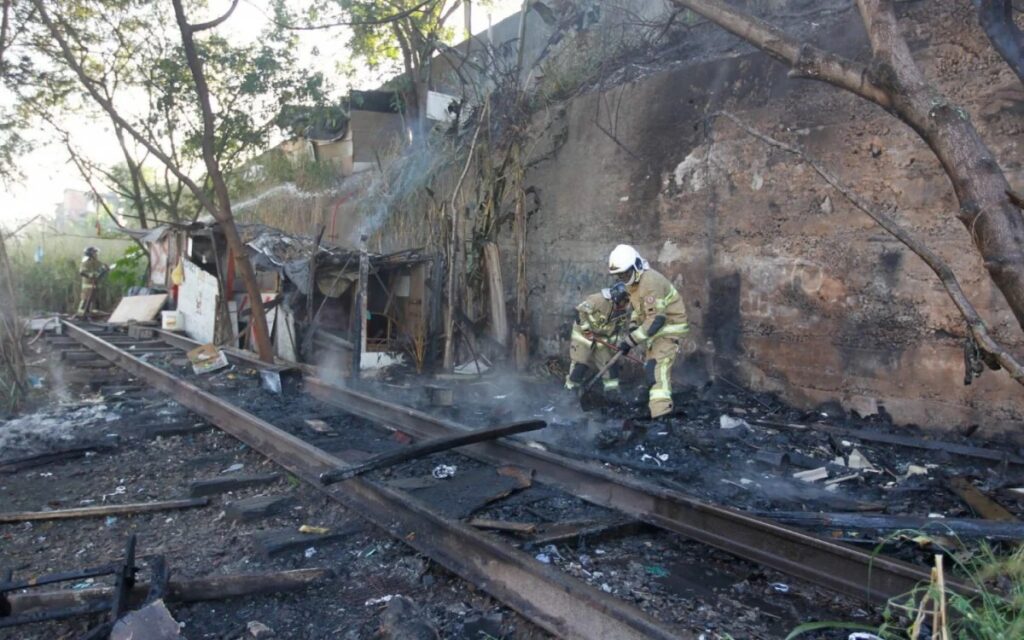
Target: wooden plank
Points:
(435, 445)
(914, 442)
(213, 486)
(137, 308)
(496, 294)
(468, 491)
(503, 525)
(13, 465)
(257, 508)
(217, 587)
(105, 510)
(277, 541)
(981, 504)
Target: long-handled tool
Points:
(611, 346)
(605, 368)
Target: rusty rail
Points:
(835, 566)
(550, 599)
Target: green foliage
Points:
(996, 614)
(129, 270)
(53, 285)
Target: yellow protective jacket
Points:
(92, 269)
(651, 296)
(595, 314)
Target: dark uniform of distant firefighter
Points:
(91, 271)
(659, 318)
(600, 321)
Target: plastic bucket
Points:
(172, 321)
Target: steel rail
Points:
(838, 567)
(547, 597)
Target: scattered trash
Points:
(270, 381)
(443, 471)
(863, 635)
(936, 515)
(746, 481)
(812, 475)
(207, 358)
(605, 587)
(728, 422)
(858, 460)
(310, 552)
(111, 521)
(319, 426)
(259, 630)
(833, 481)
(36, 381)
(916, 470)
(238, 466)
(84, 585)
(543, 557)
(663, 457)
(311, 529)
(780, 587)
(656, 571)
(381, 600)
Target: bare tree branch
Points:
(351, 23)
(806, 61)
(996, 18)
(945, 274)
(91, 88)
(203, 26)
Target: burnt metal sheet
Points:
(549, 598)
(832, 565)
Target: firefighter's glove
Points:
(626, 345)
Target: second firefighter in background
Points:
(601, 320)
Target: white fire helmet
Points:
(623, 258)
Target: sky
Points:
(47, 170)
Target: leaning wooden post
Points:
(521, 351)
(359, 310)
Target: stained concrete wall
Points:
(790, 288)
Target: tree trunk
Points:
(894, 82)
(220, 190)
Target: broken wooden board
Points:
(137, 308)
(981, 504)
(213, 486)
(277, 541)
(105, 510)
(503, 525)
(468, 491)
(13, 465)
(257, 508)
(217, 587)
(563, 531)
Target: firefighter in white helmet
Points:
(600, 322)
(659, 317)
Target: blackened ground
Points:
(368, 565)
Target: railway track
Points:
(550, 599)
